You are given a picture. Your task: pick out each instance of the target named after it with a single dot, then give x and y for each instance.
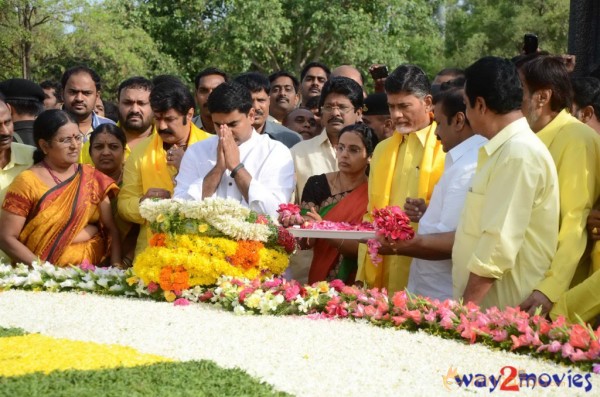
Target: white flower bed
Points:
(297, 355)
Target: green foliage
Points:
(149, 37)
(194, 378)
(6, 332)
(475, 28)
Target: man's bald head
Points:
(348, 71)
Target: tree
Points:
(475, 28)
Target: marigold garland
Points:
(205, 259)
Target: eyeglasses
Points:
(342, 109)
(78, 138)
(351, 149)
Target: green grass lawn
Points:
(192, 378)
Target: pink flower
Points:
(398, 320)
(373, 249)
(86, 265)
(579, 336)
(152, 287)
(181, 302)
(399, 299)
(337, 285)
(359, 311)
(414, 315)
(276, 282)
(596, 368)
(499, 335)
(567, 350)
(244, 293)
(292, 292)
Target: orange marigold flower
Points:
(158, 240)
(174, 278)
(247, 254)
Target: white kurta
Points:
(434, 278)
(269, 162)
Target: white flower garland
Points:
(225, 215)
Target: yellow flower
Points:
(132, 280)
(160, 218)
(170, 296)
(202, 228)
(26, 354)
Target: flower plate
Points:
(343, 234)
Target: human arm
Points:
(477, 288)
(107, 221)
(593, 224)
(12, 225)
(434, 247)
(577, 169)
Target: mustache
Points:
(335, 119)
(5, 137)
(130, 115)
(166, 131)
(259, 112)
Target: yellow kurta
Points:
(575, 149)
(84, 155)
(402, 166)
(508, 229)
(147, 168)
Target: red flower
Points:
(286, 240)
(579, 336)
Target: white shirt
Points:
(434, 278)
(268, 161)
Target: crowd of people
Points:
(497, 166)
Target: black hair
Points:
(451, 72)
(229, 97)
(81, 69)
(314, 64)
(254, 81)
(451, 98)
(521, 59)
(207, 72)
(586, 92)
(111, 129)
(343, 86)
(165, 96)
(409, 79)
(111, 111)
(49, 84)
(496, 80)
(549, 72)
(366, 133)
(283, 73)
(30, 107)
(46, 126)
(135, 82)
(313, 102)
(167, 78)
(2, 98)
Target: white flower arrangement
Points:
(225, 215)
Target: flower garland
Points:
(190, 260)
(510, 329)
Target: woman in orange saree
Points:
(59, 211)
(340, 196)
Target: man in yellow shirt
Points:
(135, 114)
(508, 231)
(14, 157)
(153, 164)
(408, 164)
(575, 148)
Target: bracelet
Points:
(234, 171)
(340, 246)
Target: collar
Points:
(421, 134)
(475, 141)
(549, 132)
(18, 156)
(505, 134)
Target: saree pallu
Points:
(55, 216)
(350, 209)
